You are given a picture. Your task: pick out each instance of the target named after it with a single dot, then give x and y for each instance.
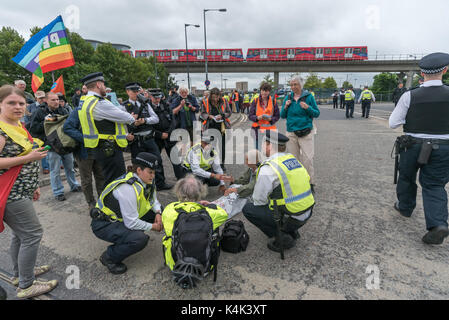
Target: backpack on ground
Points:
(234, 238)
(195, 247)
(59, 141)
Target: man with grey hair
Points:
(184, 107)
(20, 84)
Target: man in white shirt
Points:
(424, 114)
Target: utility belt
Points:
(108, 147)
(427, 146)
(141, 137)
(98, 215)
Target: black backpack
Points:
(234, 238)
(195, 247)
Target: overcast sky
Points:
(386, 27)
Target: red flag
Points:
(58, 86)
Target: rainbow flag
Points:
(46, 51)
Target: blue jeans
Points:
(54, 160)
(433, 178)
(45, 165)
(237, 106)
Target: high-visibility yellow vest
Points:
(205, 164)
(169, 216)
(90, 131)
(144, 203)
(348, 96)
(295, 183)
(246, 98)
(366, 95)
(254, 97)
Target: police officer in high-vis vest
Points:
(424, 114)
(144, 135)
(204, 162)
(366, 97)
(349, 101)
(104, 127)
(127, 208)
(282, 188)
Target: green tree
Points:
(313, 82)
(10, 44)
(268, 79)
(385, 82)
(329, 83)
(346, 84)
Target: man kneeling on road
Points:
(282, 182)
(126, 209)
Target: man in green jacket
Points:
(248, 179)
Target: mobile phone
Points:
(47, 148)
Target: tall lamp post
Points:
(205, 41)
(187, 51)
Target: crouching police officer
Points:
(143, 135)
(127, 208)
(424, 113)
(283, 199)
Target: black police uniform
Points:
(167, 123)
(144, 135)
(425, 147)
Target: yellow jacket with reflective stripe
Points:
(366, 95)
(90, 131)
(295, 183)
(144, 204)
(246, 98)
(254, 97)
(198, 150)
(348, 95)
(169, 216)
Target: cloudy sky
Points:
(386, 27)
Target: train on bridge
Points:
(256, 54)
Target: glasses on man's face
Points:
(294, 85)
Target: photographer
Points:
(184, 108)
(142, 137)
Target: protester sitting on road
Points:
(189, 192)
(282, 193)
(264, 112)
(248, 179)
(300, 108)
(19, 187)
(202, 160)
(86, 162)
(127, 208)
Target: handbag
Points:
(303, 133)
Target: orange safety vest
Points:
(269, 111)
(236, 97)
(223, 108)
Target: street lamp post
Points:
(187, 51)
(205, 41)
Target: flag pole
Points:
(53, 76)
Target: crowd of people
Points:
(279, 180)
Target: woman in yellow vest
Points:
(282, 182)
(19, 187)
(126, 209)
(264, 112)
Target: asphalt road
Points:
(354, 247)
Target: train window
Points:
(334, 51)
(194, 53)
(167, 54)
(181, 53)
(283, 52)
(208, 53)
(357, 50)
(341, 51)
(213, 53)
(363, 50)
(256, 52)
(233, 53)
(327, 51)
(277, 51)
(298, 51)
(218, 52)
(271, 52)
(250, 52)
(313, 51)
(156, 53)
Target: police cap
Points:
(93, 77)
(434, 63)
(146, 159)
(134, 86)
(157, 93)
(277, 138)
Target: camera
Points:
(187, 101)
(142, 98)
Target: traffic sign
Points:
(207, 83)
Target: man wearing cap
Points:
(164, 128)
(204, 162)
(127, 208)
(424, 114)
(143, 135)
(103, 126)
(282, 182)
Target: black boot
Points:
(114, 268)
(287, 242)
(436, 235)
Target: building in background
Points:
(242, 86)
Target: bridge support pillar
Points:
(410, 76)
(276, 80)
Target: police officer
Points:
(283, 199)
(424, 114)
(349, 101)
(164, 128)
(204, 162)
(143, 135)
(366, 98)
(127, 208)
(103, 126)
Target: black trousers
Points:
(335, 103)
(168, 146)
(113, 166)
(342, 102)
(366, 107)
(149, 146)
(350, 109)
(125, 242)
